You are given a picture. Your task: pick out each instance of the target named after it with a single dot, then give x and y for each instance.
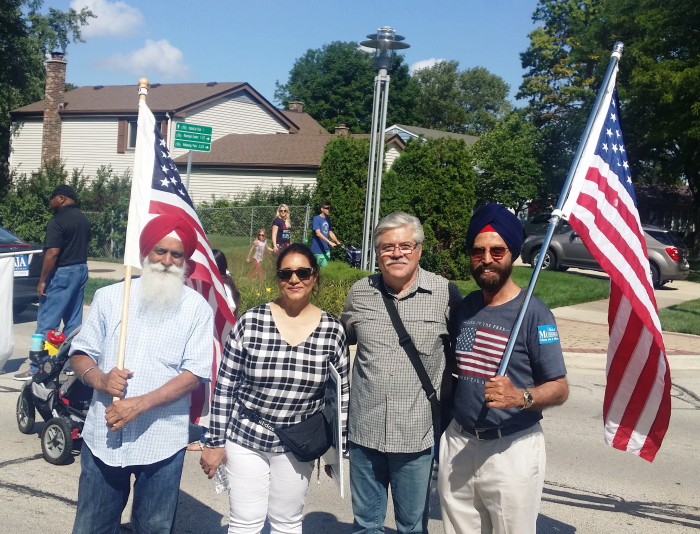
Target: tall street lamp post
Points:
(385, 41)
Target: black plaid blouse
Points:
(284, 384)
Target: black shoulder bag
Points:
(307, 440)
(407, 344)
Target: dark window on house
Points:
(131, 144)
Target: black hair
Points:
(300, 248)
(222, 265)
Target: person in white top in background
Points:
(260, 247)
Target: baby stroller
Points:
(62, 405)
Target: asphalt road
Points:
(590, 488)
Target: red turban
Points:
(161, 226)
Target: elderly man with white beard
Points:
(168, 353)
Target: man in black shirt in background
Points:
(64, 272)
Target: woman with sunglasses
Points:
(273, 374)
(281, 228)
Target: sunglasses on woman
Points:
(303, 273)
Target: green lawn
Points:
(555, 289)
(684, 317)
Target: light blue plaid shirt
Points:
(159, 346)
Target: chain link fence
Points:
(245, 221)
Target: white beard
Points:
(161, 286)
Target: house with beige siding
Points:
(254, 144)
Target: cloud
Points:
(156, 60)
(425, 64)
(111, 18)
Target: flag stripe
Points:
(601, 208)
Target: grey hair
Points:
(399, 219)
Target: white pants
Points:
(491, 486)
(265, 484)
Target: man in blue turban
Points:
(492, 456)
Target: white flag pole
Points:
(121, 347)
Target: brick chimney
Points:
(53, 101)
(342, 129)
(297, 106)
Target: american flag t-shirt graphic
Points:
(479, 351)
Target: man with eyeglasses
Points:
(168, 353)
(492, 455)
(323, 236)
(390, 425)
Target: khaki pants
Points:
(491, 486)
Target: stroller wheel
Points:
(57, 441)
(25, 412)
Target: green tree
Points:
(508, 169)
(434, 180)
(26, 35)
(342, 181)
(336, 84)
(470, 101)
(658, 82)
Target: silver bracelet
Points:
(82, 378)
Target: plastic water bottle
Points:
(221, 480)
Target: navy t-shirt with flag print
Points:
(480, 336)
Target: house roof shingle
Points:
(306, 123)
(252, 151)
(429, 133)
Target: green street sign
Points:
(192, 128)
(187, 136)
(192, 145)
(192, 137)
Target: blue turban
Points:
(507, 225)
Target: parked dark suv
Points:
(27, 269)
(668, 257)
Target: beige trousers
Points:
(491, 486)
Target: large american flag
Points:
(157, 189)
(601, 207)
(479, 351)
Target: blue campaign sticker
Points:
(547, 333)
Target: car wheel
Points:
(57, 441)
(549, 263)
(25, 412)
(655, 275)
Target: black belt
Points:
(490, 433)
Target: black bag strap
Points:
(407, 344)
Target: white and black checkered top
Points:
(285, 384)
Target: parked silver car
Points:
(668, 257)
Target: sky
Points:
(258, 41)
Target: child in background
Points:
(260, 248)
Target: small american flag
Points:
(157, 189)
(479, 351)
(601, 207)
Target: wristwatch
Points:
(529, 401)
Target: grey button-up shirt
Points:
(389, 410)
